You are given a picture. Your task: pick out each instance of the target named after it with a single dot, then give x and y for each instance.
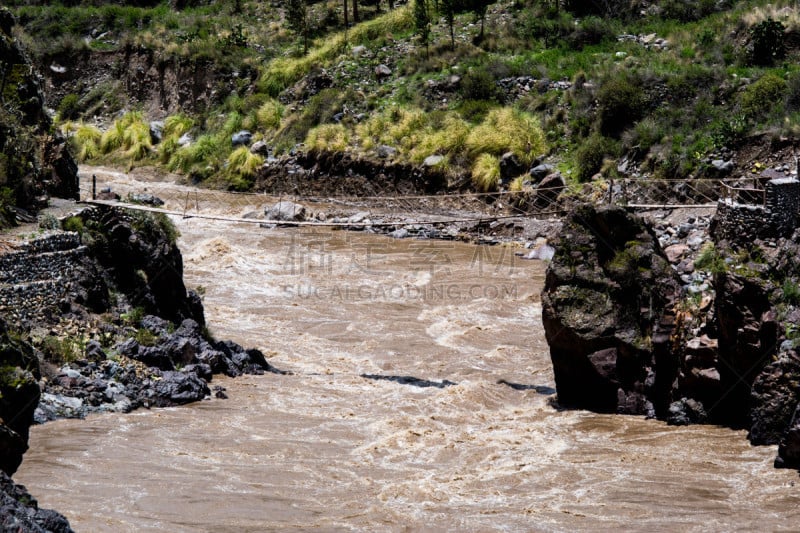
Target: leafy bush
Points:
(591, 30)
(85, 138)
(620, 102)
(270, 114)
(793, 92)
(590, 155)
(478, 84)
(130, 134)
(48, 221)
(73, 224)
(62, 350)
(711, 260)
(761, 97)
(68, 109)
(243, 163)
(767, 42)
(447, 137)
(790, 292)
(687, 10)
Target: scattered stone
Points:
(145, 198)
(541, 171)
(260, 148)
(382, 71)
(286, 211)
(386, 152)
(722, 167)
(241, 138)
(156, 131)
(433, 160)
(510, 167)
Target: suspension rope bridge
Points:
(394, 210)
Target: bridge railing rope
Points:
(394, 208)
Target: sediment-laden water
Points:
(420, 398)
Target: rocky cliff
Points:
(34, 161)
(627, 335)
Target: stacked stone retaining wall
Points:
(776, 218)
(37, 276)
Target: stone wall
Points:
(37, 277)
(783, 203)
(777, 217)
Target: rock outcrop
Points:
(19, 395)
(34, 161)
(20, 512)
(608, 313)
(626, 337)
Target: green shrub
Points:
(590, 155)
(687, 10)
(73, 224)
(64, 350)
(478, 84)
(760, 98)
(790, 292)
(48, 221)
(270, 114)
(475, 111)
(711, 260)
(445, 136)
(243, 163)
(145, 337)
(620, 102)
(68, 109)
(591, 30)
(767, 42)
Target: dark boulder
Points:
(607, 309)
(175, 388)
(510, 167)
(19, 395)
(20, 512)
(548, 190)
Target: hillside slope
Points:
(670, 89)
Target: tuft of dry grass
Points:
(486, 173)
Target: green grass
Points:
(665, 109)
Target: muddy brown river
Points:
(419, 399)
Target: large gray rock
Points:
(286, 211)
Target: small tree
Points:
(298, 21)
(767, 42)
(422, 22)
(449, 12)
(478, 7)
